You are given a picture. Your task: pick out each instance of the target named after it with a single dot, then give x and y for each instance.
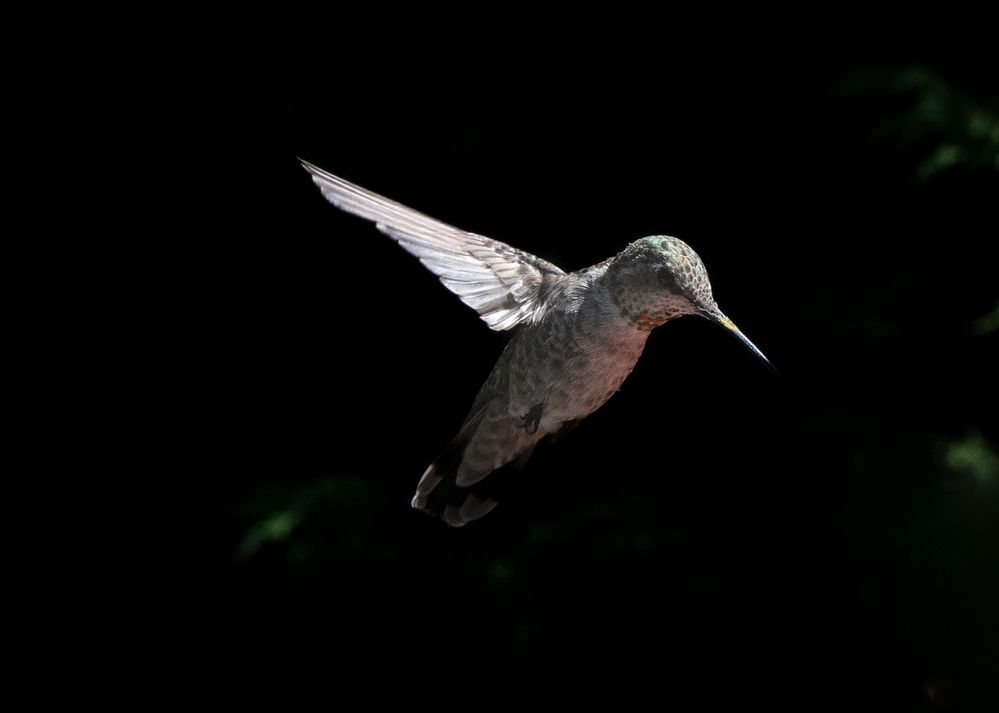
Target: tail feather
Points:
(440, 494)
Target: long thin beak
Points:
(730, 326)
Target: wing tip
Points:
(310, 167)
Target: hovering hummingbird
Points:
(579, 335)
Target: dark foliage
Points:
(826, 539)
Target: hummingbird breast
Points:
(572, 358)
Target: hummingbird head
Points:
(660, 277)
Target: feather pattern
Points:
(501, 283)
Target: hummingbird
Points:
(577, 336)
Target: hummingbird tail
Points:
(440, 494)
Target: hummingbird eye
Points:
(668, 277)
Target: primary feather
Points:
(501, 283)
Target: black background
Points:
(713, 534)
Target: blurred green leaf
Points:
(987, 324)
(973, 455)
(279, 512)
(946, 156)
(273, 528)
(935, 117)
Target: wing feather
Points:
(501, 283)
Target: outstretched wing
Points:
(500, 282)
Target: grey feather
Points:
(501, 283)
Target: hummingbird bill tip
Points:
(730, 326)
